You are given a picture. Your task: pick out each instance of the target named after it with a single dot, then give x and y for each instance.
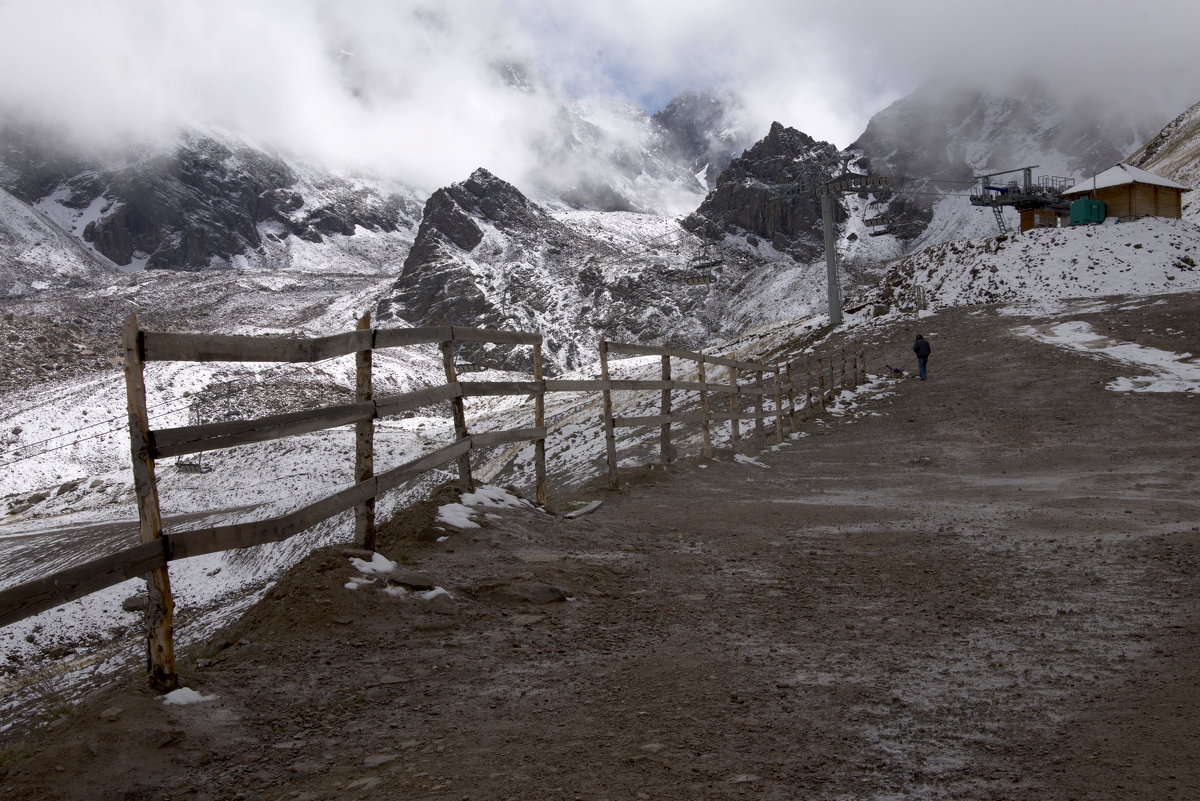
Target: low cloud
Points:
(425, 91)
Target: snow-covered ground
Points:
(1144, 257)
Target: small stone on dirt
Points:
(540, 558)
(527, 620)
(375, 760)
(535, 592)
(343, 621)
(410, 579)
(443, 605)
(112, 713)
(135, 603)
(431, 534)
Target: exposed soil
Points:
(986, 590)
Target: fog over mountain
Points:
(426, 92)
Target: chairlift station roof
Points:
(1121, 175)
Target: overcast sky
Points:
(411, 87)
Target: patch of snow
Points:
(185, 696)
(1169, 372)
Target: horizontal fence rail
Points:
(158, 548)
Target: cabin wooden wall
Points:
(1039, 218)
(1136, 200)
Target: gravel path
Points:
(981, 586)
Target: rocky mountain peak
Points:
(746, 200)
(703, 129)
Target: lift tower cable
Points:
(844, 183)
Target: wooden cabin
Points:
(1130, 193)
(1041, 218)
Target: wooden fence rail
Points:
(158, 547)
(776, 388)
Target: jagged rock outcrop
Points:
(487, 256)
(747, 202)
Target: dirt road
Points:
(980, 586)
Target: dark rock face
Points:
(700, 129)
(197, 206)
(746, 200)
(434, 285)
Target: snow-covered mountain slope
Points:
(1145, 257)
(37, 256)
(486, 255)
(1175, 154)
(208, 201)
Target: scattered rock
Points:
(306, 767)
(112, 713)
(410, 579)
(375, 760)
(540, 558)
(431, 534)
(343, 621)
(588, 509)
(527, 620)
(443, 605)
(135, 603)
(535, 592)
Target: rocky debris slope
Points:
(37, 256)
(1175, 154)
(1147, 256)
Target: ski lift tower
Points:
(844, 183)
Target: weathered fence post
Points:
(610, 437)
(778, 406)
(842, 374)
(854, 369)
(706, 425)
(832, 382)
(862, 362)
(664, 430)
(735, 409)
(160, 608)
(809, 411)
(760, 425)
(465, 482)
(821, 389)
(539, 421)
(791, 399)
(364, 443)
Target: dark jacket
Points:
(921, 347)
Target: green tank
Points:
(1088, 212)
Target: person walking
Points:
(921, 348)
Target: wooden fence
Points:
(157, 548)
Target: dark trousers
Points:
(922, 361)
